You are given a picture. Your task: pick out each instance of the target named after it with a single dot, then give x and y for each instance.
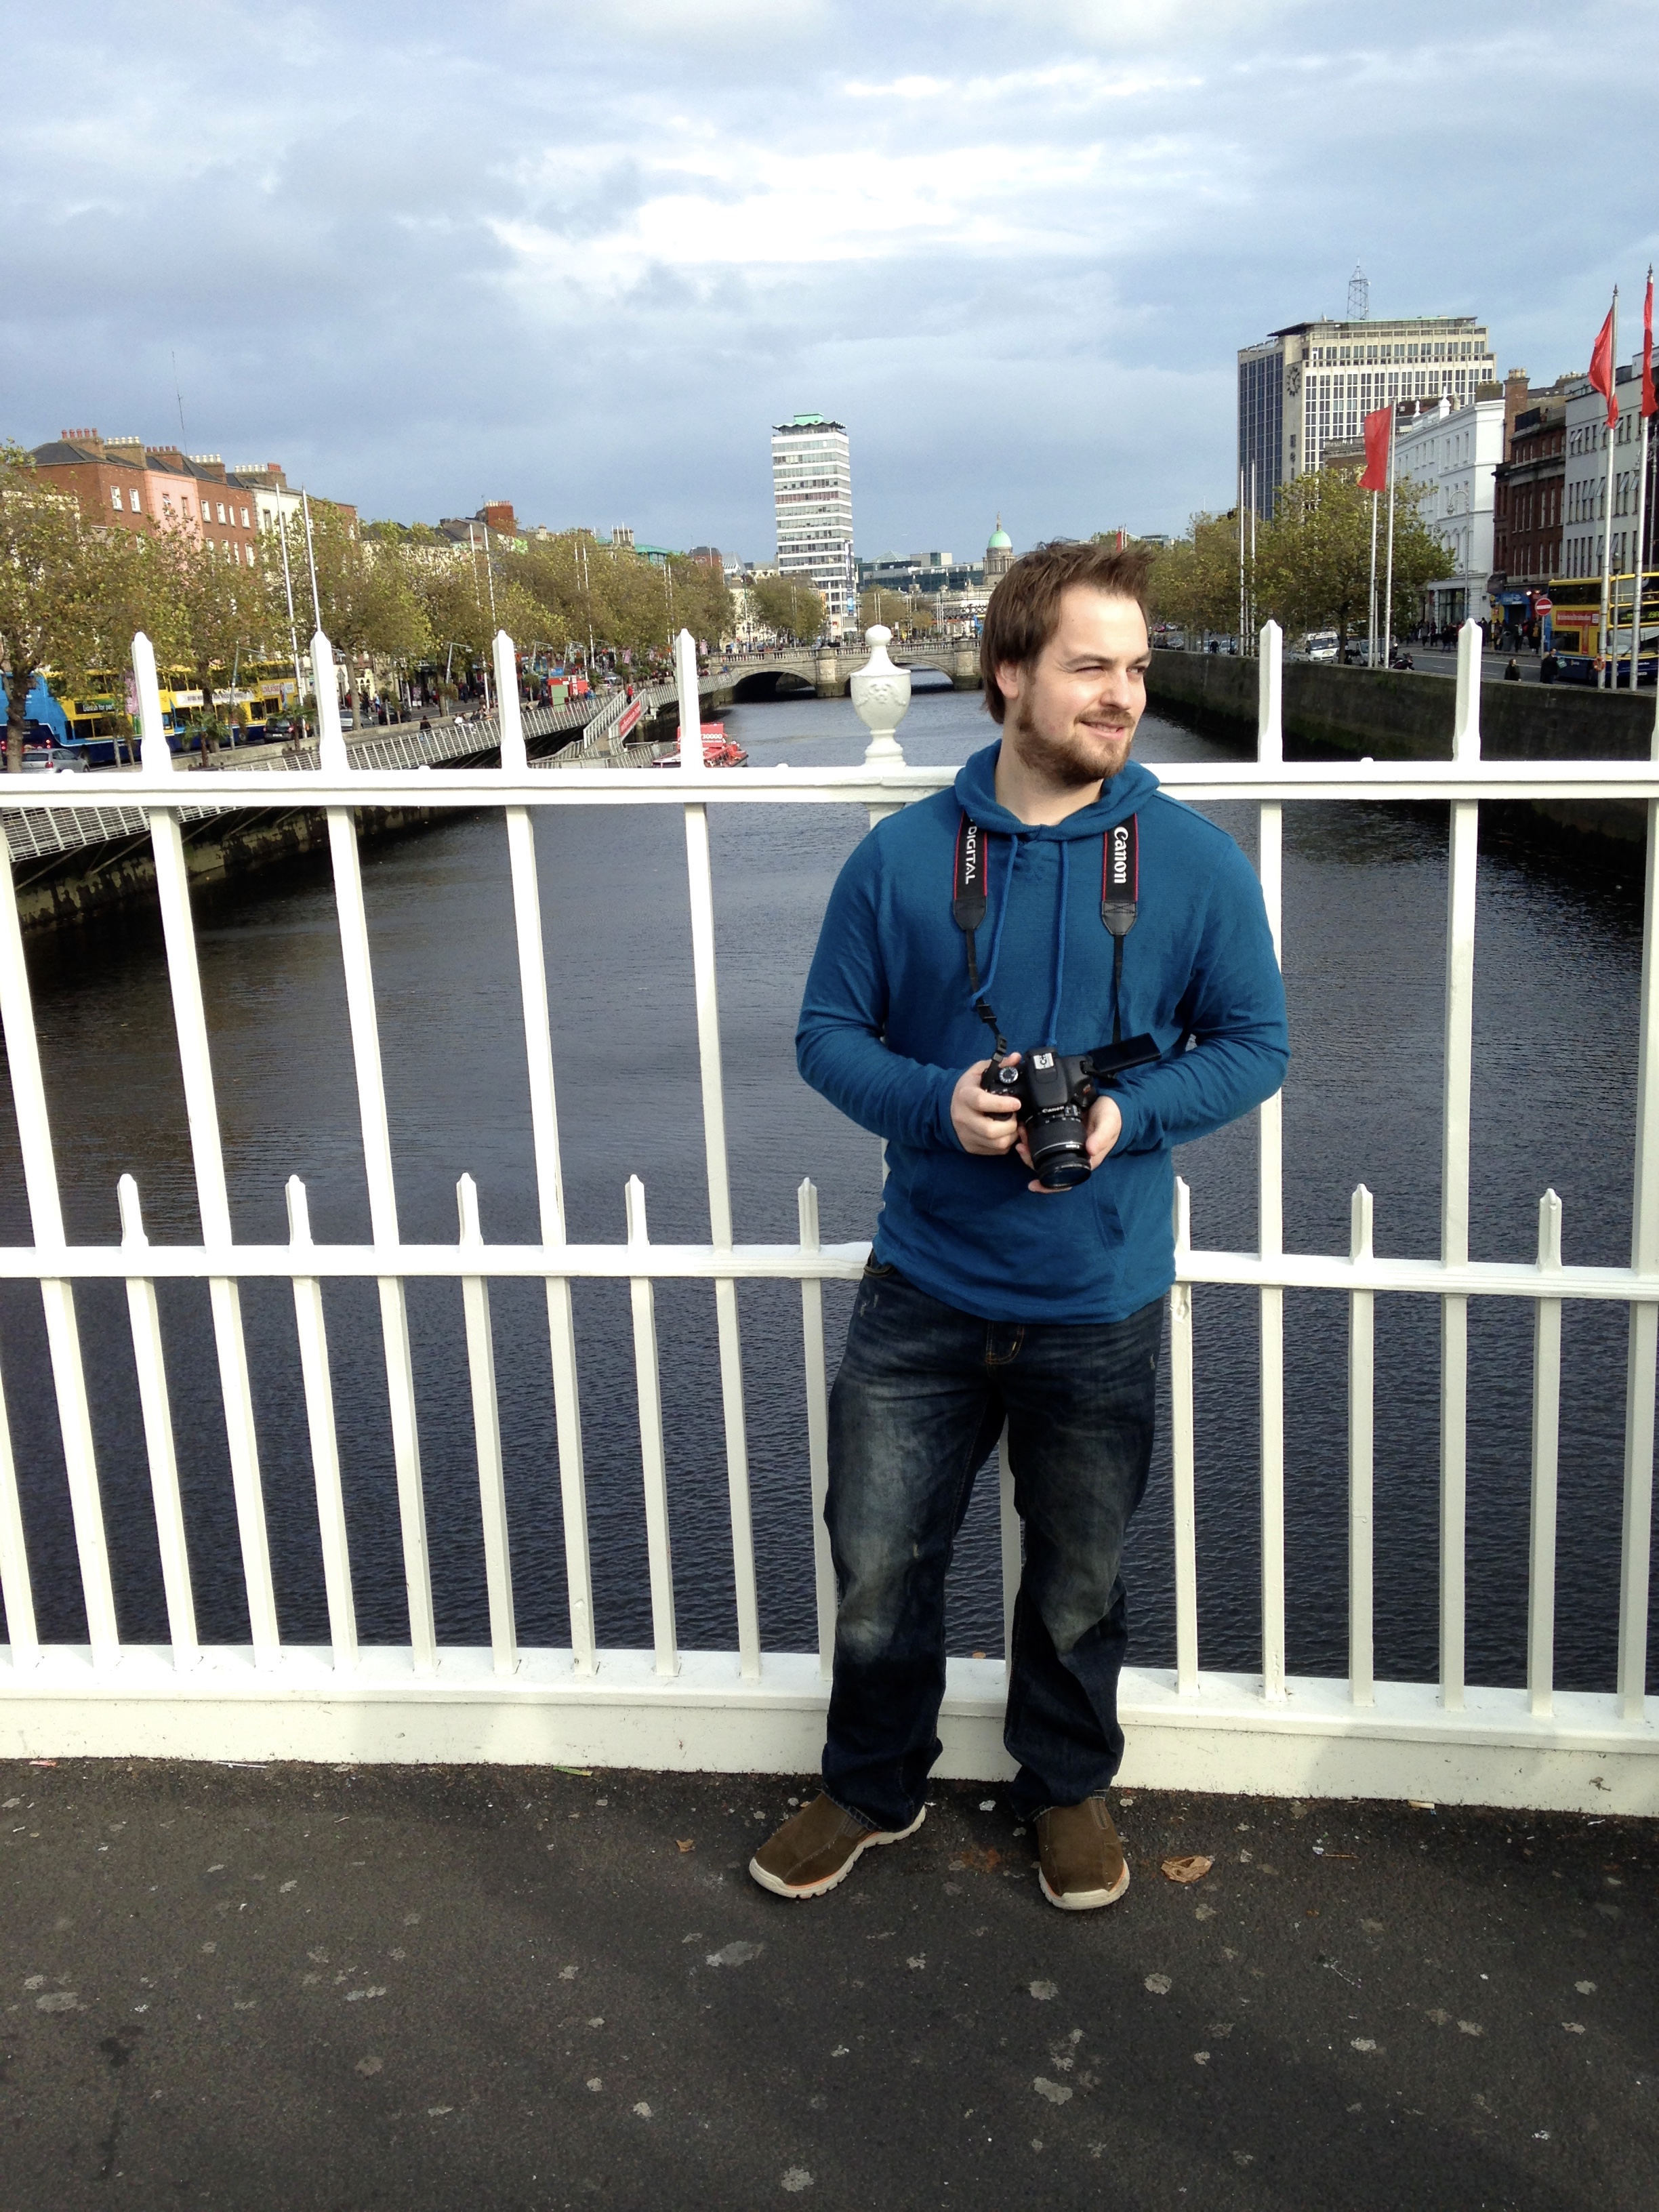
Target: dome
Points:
(999, 541)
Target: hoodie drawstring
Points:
(1052, 1041)
(1003, 905)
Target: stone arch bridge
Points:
(825, 670)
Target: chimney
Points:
(1516, 390)
(88, 439)
(124, 449)
(209, 465)
(497, 514)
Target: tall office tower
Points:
(813, 496)
(1305, 387)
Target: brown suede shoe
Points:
(815, 1849)
(1080, 1861)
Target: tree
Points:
(879, 604)
(1313, 569)
(795, 610)
(67, 588)
(204, 610)
(367, 587)
(1195, 580)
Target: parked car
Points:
(54, 760)
(1320, 645)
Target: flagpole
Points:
(1388, 590)
(1607, 655)
(1370, 636)
(1640, 564)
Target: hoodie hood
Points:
(977, 793)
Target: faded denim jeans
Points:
(918, 1403)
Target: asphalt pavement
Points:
(275, 1989)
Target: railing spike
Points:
(133, 1218)
(1360, 1223)
(637, 1231)
(1549, 1231)
(509, 720)
(807, 1205)
(467, 1202)
(298, 1211)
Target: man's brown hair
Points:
(1024, 610)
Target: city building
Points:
(1584, 485)
(1527, 496)
(145, 487)
(123, 481)
(1452, 453)
(812, 499)
(954, 592)
(273, 503)
(1310, 384)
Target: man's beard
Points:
(1071, 761)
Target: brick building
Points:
(122, 480)
(1528, 498)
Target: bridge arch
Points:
(767, 683)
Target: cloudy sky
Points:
(580, 253)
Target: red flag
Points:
(1376, 478)
(1650, 405)
(1601, 369)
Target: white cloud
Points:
(586, 252)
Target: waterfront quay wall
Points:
(100, 882)
(104, 866)
(1388, 715)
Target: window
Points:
(115, 497)
(244, 519)
(133, 499)
(221, 512)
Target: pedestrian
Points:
(1056, 884)
(1549, 667)
(1512, 672)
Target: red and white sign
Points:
(629, 716)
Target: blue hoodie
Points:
(888, 1025)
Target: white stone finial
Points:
(881, 699)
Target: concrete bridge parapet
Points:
(828, 669)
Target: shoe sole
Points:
(833, 1881)
(1085, 1900)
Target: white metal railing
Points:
(1523, 1743)
(43, 834)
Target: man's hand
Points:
(983, 1120)
(1101, 1131)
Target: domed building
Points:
(998, 555)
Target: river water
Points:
(1557, 970)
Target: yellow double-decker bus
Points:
(1573, 629)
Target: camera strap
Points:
(1120, 903)
(1120, 900)
(968, 903)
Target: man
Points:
(989, 1298)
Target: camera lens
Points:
(1059, 1155)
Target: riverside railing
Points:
(39, 834)
(1521, 1743)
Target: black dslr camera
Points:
(1055, 1090)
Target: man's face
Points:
(1072, 715)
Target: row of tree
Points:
(390, 598)
(1310, 567)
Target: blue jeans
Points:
(918, 1403)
